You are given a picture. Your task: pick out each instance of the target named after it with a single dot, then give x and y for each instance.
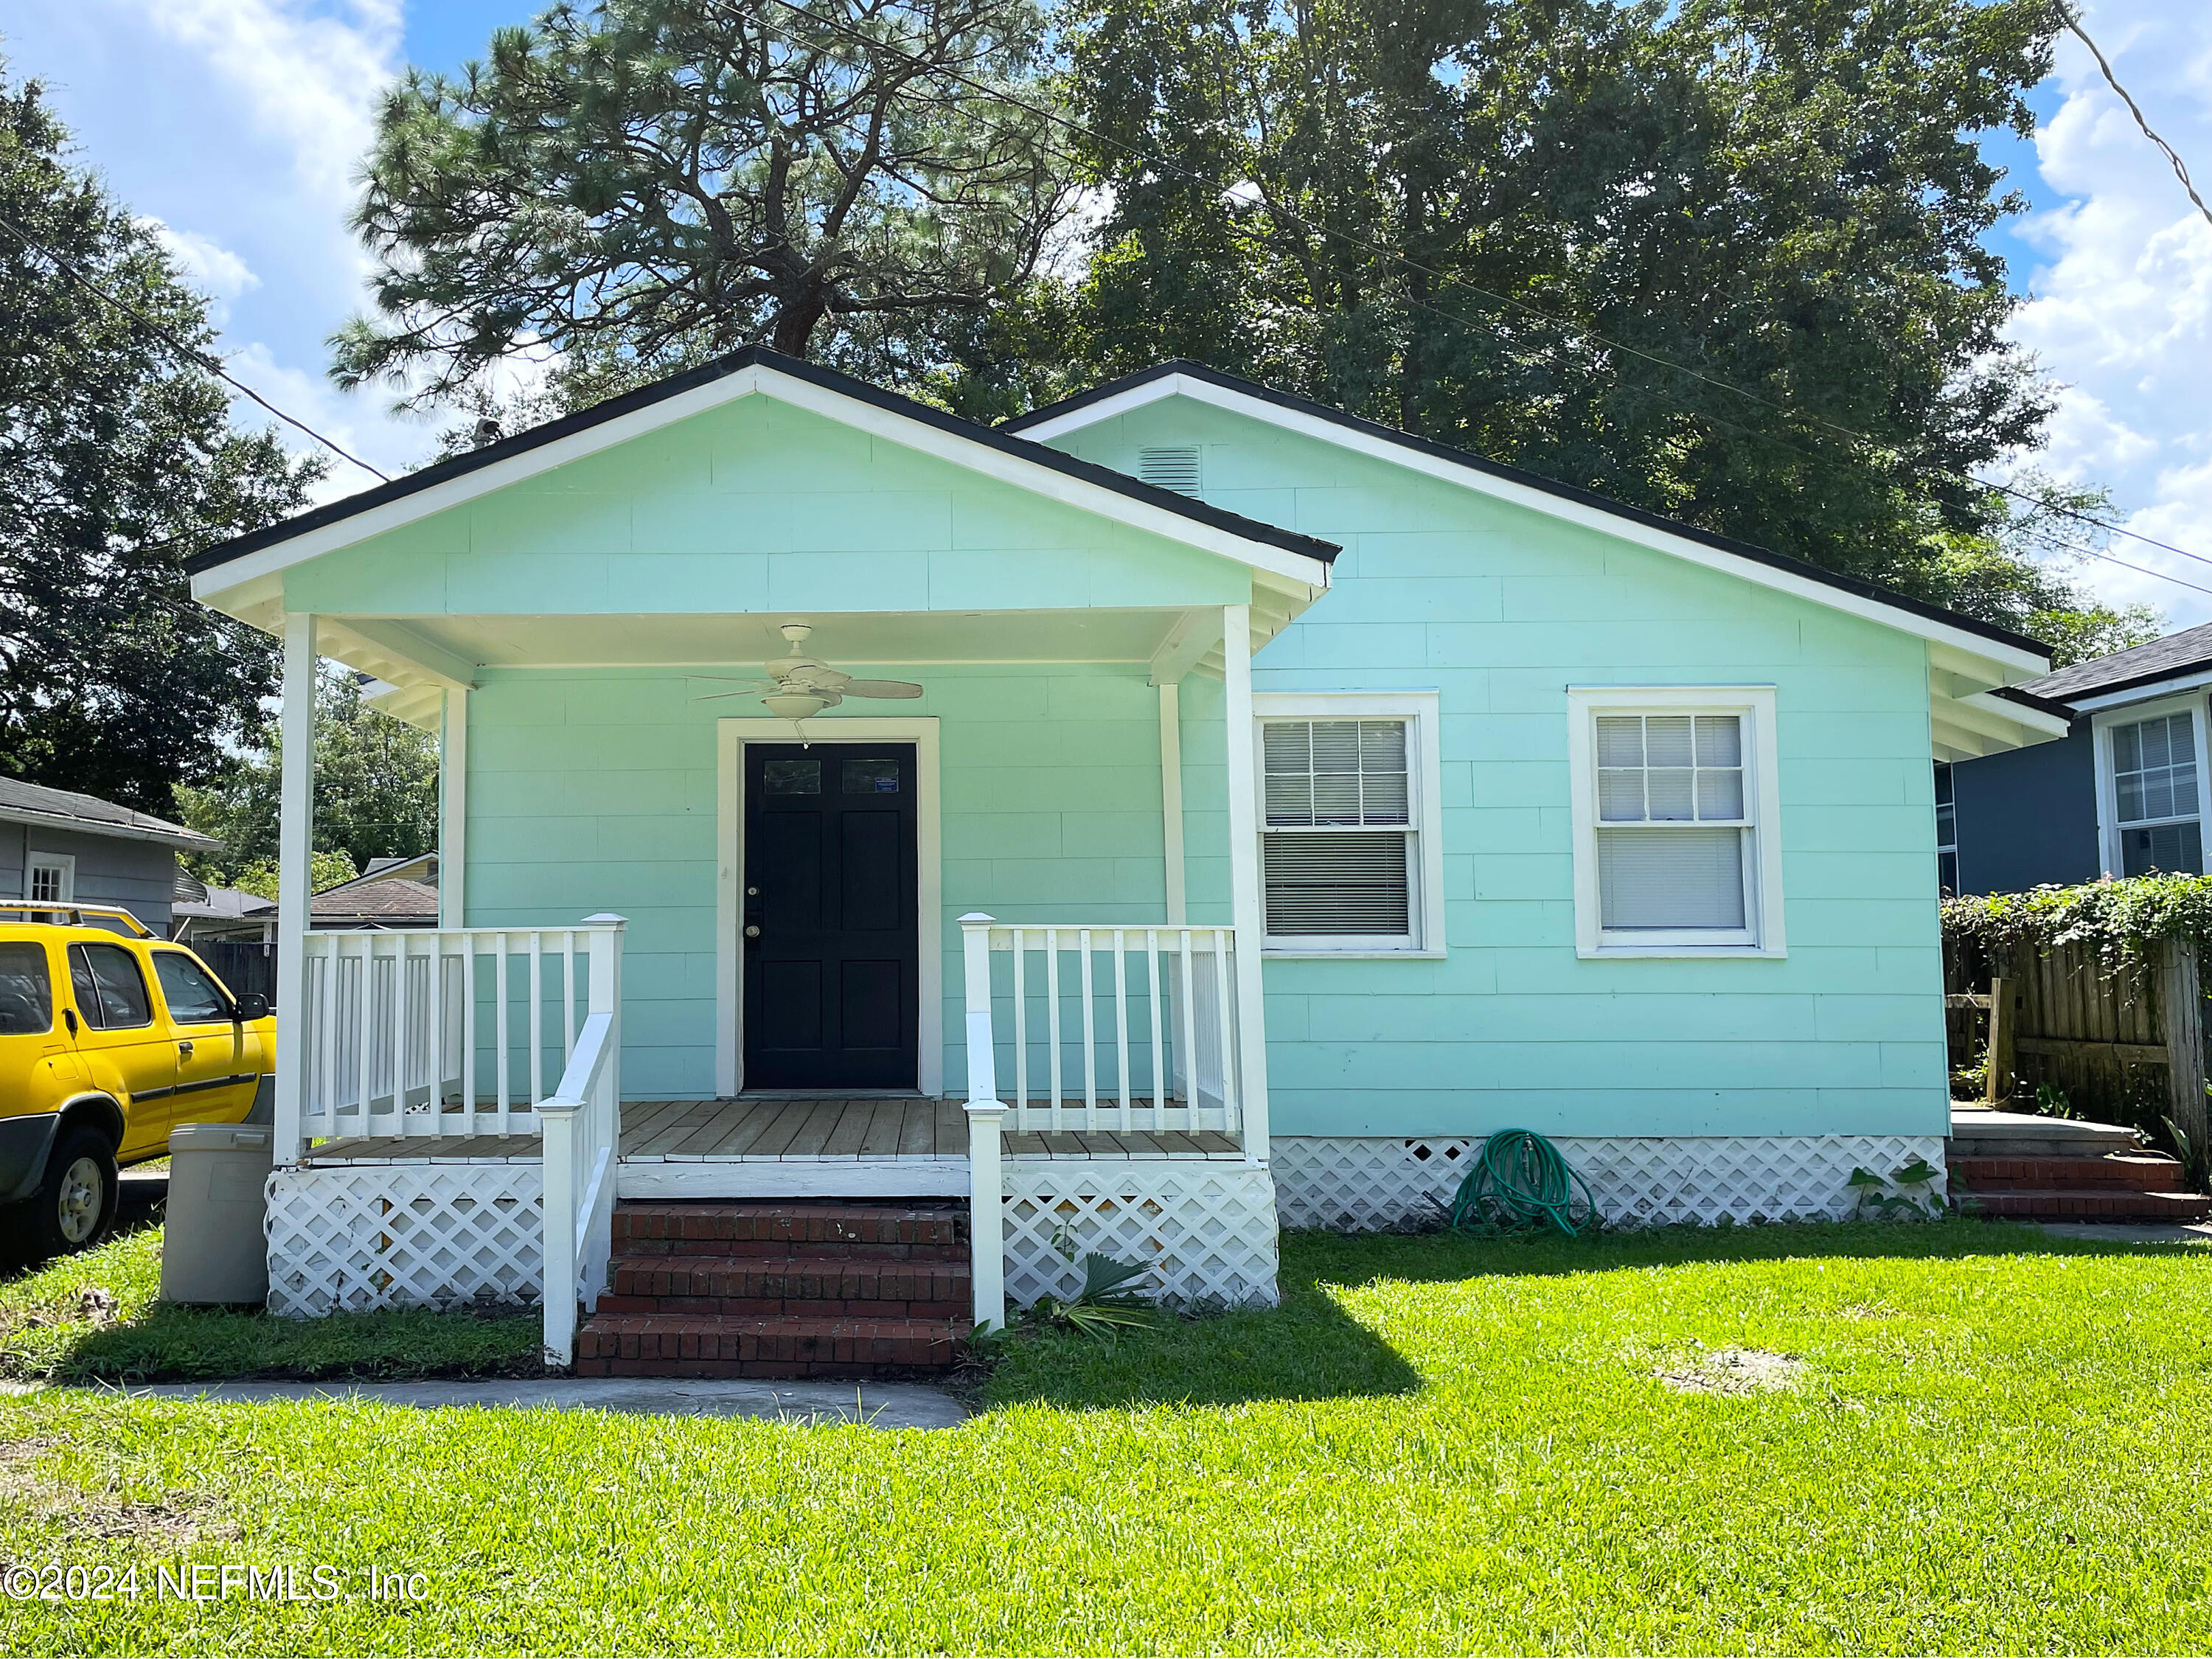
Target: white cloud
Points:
(2122, 311)
(309, 82)
(207, 265)
(238, 127)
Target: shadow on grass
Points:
(1310, 1348)
(171, 1344)
(1355, 1258)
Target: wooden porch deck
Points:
(854, 1147)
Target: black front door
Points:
(831, 958)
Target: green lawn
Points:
(94, 1318)
(1995, 1442)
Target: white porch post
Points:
(452, 807)
(1171, 797)
(295, 840)
(986, 1116)
(1244, 877)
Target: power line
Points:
(212, 365)
(1045, 113)
(2173, 159)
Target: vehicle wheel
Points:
(76, 1202)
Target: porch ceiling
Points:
(414, 657)
(750, 639)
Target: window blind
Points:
(1670, 879)
(1337, 884)
(1679, 780)
(1339, 842)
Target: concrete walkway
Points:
(874, 1405)
(2132, 1232)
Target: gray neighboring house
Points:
(2123, 793)
(392, 892)
(203, 914)
(59, 846)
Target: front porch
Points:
(796, 739)
(867, 1147)
(457, 1133)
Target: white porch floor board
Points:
(827, 1134)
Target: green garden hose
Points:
(1519, 1180)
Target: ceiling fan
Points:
(799, 687)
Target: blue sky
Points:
(239, 124)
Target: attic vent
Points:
(1170, 469)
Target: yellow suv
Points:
(109, 1038)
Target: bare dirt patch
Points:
(40, 1499)
(1734, 1371)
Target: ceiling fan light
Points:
(795, 705)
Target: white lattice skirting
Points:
(1354, 1185)
(403, 1235)
(1207, 1230)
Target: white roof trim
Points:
(2150, 692)
(2012, 662)
(760, 379)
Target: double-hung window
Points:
(1675, 821)
(2155, 797)
(1348, 855)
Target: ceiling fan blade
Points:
(900, 690)
(716, 696)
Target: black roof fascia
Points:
(2027, 699)
(583, 420)
(1267, 394)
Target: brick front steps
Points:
(2053, 1205)
(2017, 1167)
(781, 1289)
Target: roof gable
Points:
(2015, 653)
(436, 488)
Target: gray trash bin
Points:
(212, 1247)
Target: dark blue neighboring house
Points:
(2121, 793)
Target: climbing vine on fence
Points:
(2118, 918)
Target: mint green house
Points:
(1184, 809)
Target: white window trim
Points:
(1424, 817)
(2108, 794)
(1952, 845)
(65, 862)
(1763, 866)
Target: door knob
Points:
(752, 930)
(184, 1050)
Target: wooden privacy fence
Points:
(2113, 1038)
(242, 964)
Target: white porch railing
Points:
(582, 1126)
(1094, 1028)
(451, 1032)
(1150, 1044)
(441, 1032)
